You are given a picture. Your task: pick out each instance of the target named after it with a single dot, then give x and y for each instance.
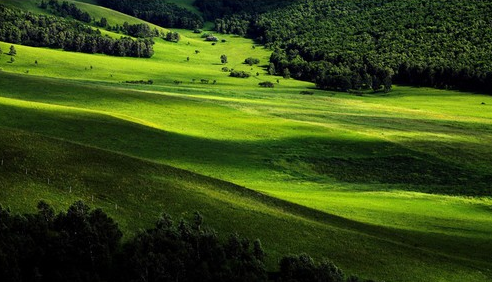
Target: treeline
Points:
(357, 44)
(214, 9)
(157, 12)
(25, 28)
(66, 9)
(85, 245)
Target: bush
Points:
(150, 82)
(252, 61)
(307, 93)
(267, 84)
(225, 69)
(240, 74)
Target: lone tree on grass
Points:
(12, 52)
(223, 59)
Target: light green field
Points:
(394, 187)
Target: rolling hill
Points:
(393, 187)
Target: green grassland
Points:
(390, 186)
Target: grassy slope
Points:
(271, 140)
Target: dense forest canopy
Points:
(356, 44)
(157, 12)
(25, 28)
(214, 9)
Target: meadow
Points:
(391, 186)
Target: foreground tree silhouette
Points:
(85, 245)
(190, 252)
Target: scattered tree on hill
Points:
(103, 22)
(66, 9)
(158, 12)
(239, 74)
(252, 61)
(13, 51)
(267, 84)
(173, 37)
(223, 59)
(20, 27)
(12, 60)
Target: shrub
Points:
(267, 84)
(252, 61)
(307, 93)
(240, 74)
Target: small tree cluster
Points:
(66, 9)
(252, 61)
(173, 37)
(223, 59)
(240, 74)
(267, 84)
(20, 27)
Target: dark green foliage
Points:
(357, 44)
(213, 9)
(66, 9)
(303, 269)
(223, 59)
(103, 22)
(70, 10)
(75, 246)
(138, 30)
(173, 37)
(85, 245)
(179, 251)
(46, 31)
(252, 61)
(271, 69)
(157, 12)
(12, 51)
(240, 74)
(267, 84)
(286, 73)
(150, 82)
(307, 93)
